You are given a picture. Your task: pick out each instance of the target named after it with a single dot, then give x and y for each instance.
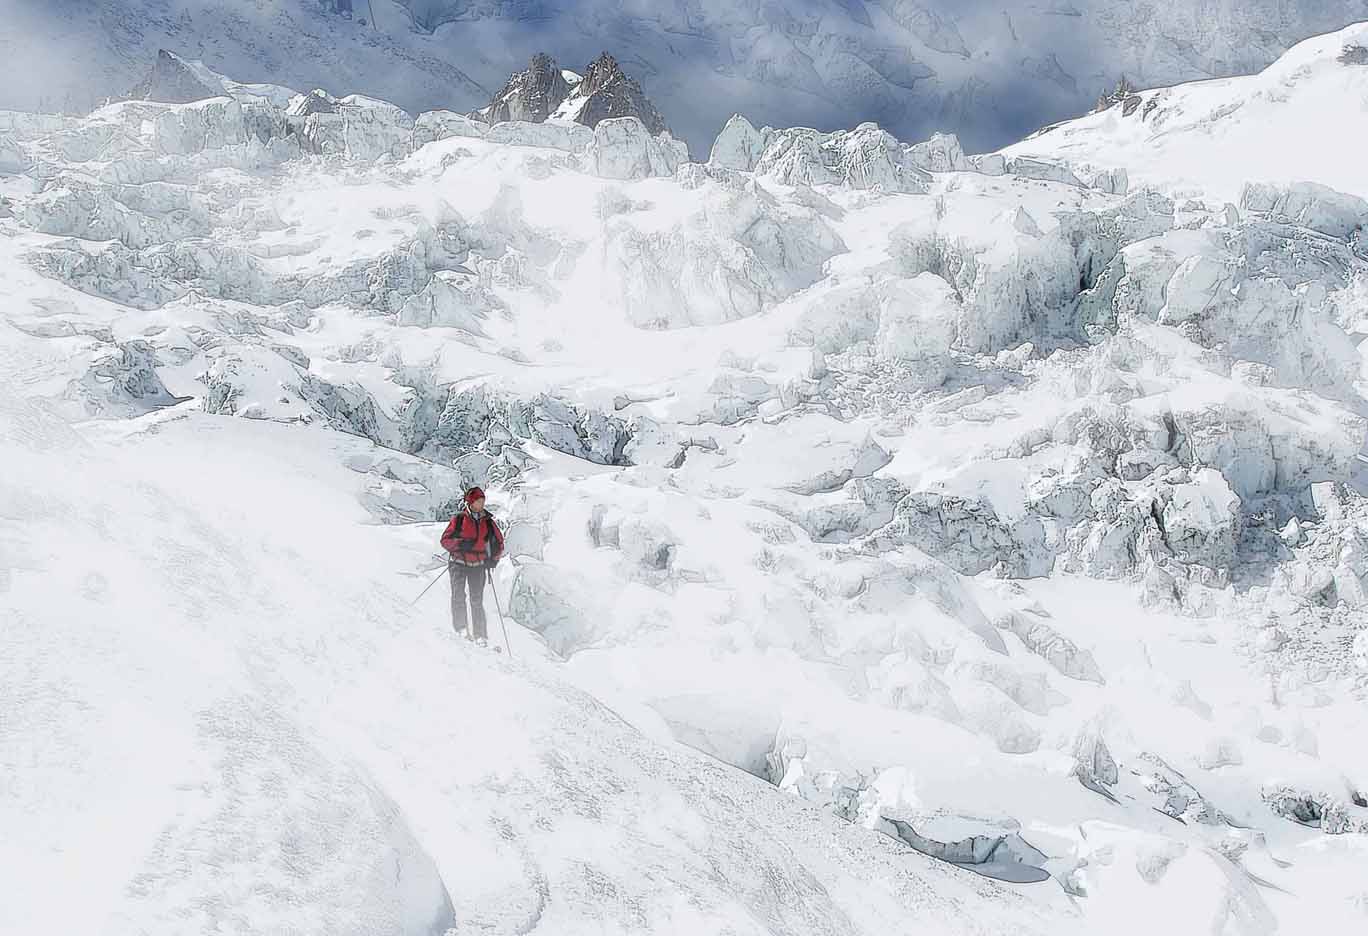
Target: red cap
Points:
(473, 495)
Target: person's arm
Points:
(496, 540)
(449, 541)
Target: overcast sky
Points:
(991, 71)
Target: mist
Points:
(989, 72)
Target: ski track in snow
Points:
(862, 500)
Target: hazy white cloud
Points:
(988, 71)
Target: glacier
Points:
(900, 540)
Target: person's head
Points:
(475, 499)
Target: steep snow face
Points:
(990, 73)
(995, 511)
(1287, 124)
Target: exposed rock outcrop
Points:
(544, 91)
(532, 95)
(607, 93)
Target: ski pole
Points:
(489, 577)
(429, 585)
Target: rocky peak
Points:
(533, 94)
(542, 92)
(602, 72)
(172, 81)
(609, 92)
(1124, 94)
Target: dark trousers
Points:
(473, 577)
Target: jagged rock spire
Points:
(611, 93)
(532, 94)
(542, 91)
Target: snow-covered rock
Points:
(965, 534)
(624, 149)
(606, 92)
(1023, 223)
(917, 326)
(1360, 648)
(739, 146)
(836, 317)
(568, 138)
(1094, 765)
(941, 153)
(990, 164)
(13, 160)
(1027, 167)
(204, 125)
(430, 126)
(531, 95)
(1002, 287)
(1180, 799)
(1308, 204)
(1194, 280)
(544, 91)
(355, 126)
(555, 607)
(173, 80)
(122, 381)
(974, 842)
(1201, 520)
(741, 252)
(804, 454)
(1114, 181)
(864, 158)
(1059, 651)
(1262, 439)
(73, 207)
(1331, 814)
(450, 301)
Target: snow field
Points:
(1006, 518)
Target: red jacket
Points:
(471, 540)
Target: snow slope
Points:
(223, 715)
(990, 72)
(865, 502)
(1297, 120)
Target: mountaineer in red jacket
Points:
(475, 543)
